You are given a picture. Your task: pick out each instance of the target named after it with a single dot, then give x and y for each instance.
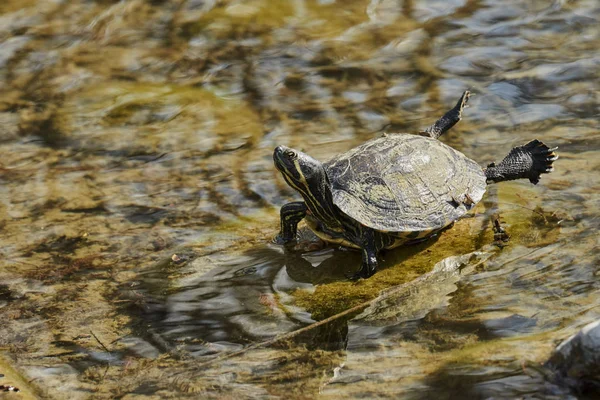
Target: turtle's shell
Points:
(405, 183)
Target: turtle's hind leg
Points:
(373, 242)
(527, 161)
(449, 119)
(369, 263)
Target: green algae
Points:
(233, 19)
(121, 102)
(495, 351)
(11, 6)
(527, 222)
(328, 20)
(298, 371)
(313, 19)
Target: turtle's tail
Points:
(527, 161)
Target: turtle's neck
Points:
(319, 201)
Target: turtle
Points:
(395, 189)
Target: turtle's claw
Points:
(462, 103)
(353, 277)
(358, 275)
(282, 241)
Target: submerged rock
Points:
(576, 361)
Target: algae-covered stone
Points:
(467, 237)
(400, 266)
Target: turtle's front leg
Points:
(291, 215)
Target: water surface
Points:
(138, 196)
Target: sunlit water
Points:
(138, 196)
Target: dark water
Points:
(138, 196)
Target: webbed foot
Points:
(527, 161)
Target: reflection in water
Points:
(133, 131)
(237, 302)
(247, 297)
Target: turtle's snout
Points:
(278, 151)
(284, 156)
(279, 158)
(284, 151)
(277, 155)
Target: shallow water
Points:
(138, 196)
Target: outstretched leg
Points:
(291, 215)
(449, 119)
(527, 161)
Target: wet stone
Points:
(576, 361)
(510, 326)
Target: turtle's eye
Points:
(291, 154)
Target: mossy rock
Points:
(526, 227)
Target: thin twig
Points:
(106, 349)
(98, 340)
(286, 336)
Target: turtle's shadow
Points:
(334, 264)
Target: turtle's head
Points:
(300, 170)
(307, 176)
